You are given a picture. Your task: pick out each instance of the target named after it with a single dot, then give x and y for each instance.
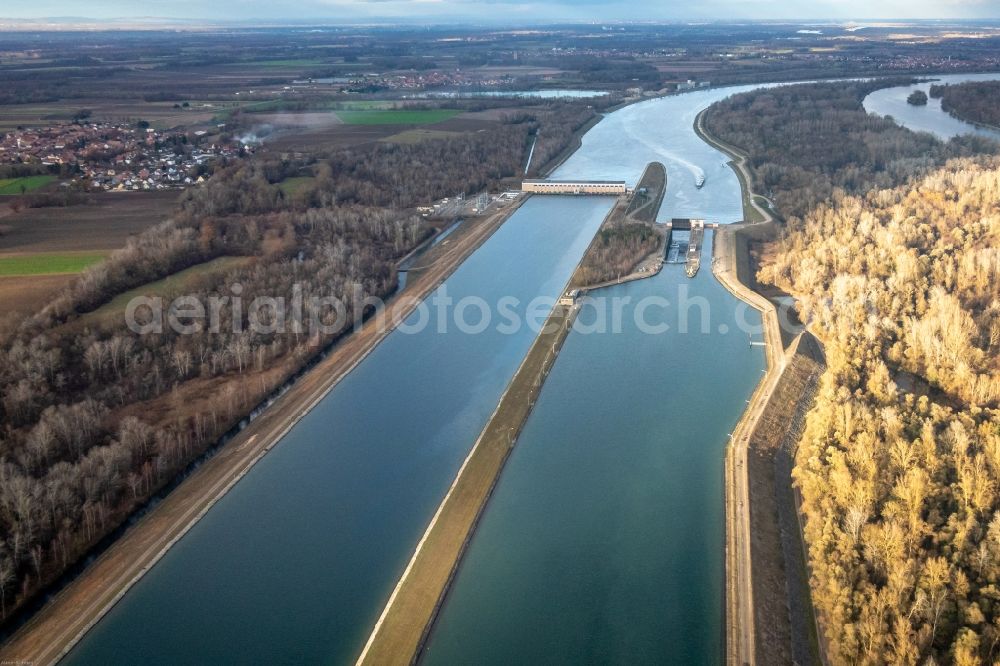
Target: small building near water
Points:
(570, 297)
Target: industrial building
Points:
(614, 187)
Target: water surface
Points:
(931, 117)
(295, 563)
(604, 540)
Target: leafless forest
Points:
(96, 418)
(975, 101)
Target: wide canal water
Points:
(295, 563)
(604, 540)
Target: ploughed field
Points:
(41, 249)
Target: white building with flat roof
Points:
(612, 187)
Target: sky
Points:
(499, 10)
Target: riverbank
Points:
(401, 630)
(575, 142)
(73, 611)
(405, 623)
(629, 227)
(975, 123)
(768, 609)
(753, 211)
(739, 585)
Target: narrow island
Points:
(629, 245)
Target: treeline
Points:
(615, 252)
(974, 101)
(556, 129)
(96, 418)
(895, 261)
(804, 142)
(899, 466)
(384, 175)
(24, 170)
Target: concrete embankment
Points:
(408, 617)
(768, 609)
(57, 627)
(409, 614)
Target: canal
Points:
(604, 540)
(294, 564)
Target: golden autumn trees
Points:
(899, 466)
(892, 250)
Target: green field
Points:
(48, 263)
(288, 62)
(397, 116)
(170, 286)
(364, 104)
(295, 184)
(9, 186)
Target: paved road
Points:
(58, 626)
(740, 647)
(739, 582)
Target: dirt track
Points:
(58, 626)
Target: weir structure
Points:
(606, 187)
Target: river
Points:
(604, 540)
(931, 117)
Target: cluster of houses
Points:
(119, 156)
(430, 79)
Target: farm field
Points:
(14, 186)
(42, 249)
(23, 294)
(396, 116)
(103, 225)
(318, 132)
(330, 137)
(418, 135)
(161, 115)
(184, 281)
(56, 263)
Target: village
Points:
(370, 82)
(120, 156)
